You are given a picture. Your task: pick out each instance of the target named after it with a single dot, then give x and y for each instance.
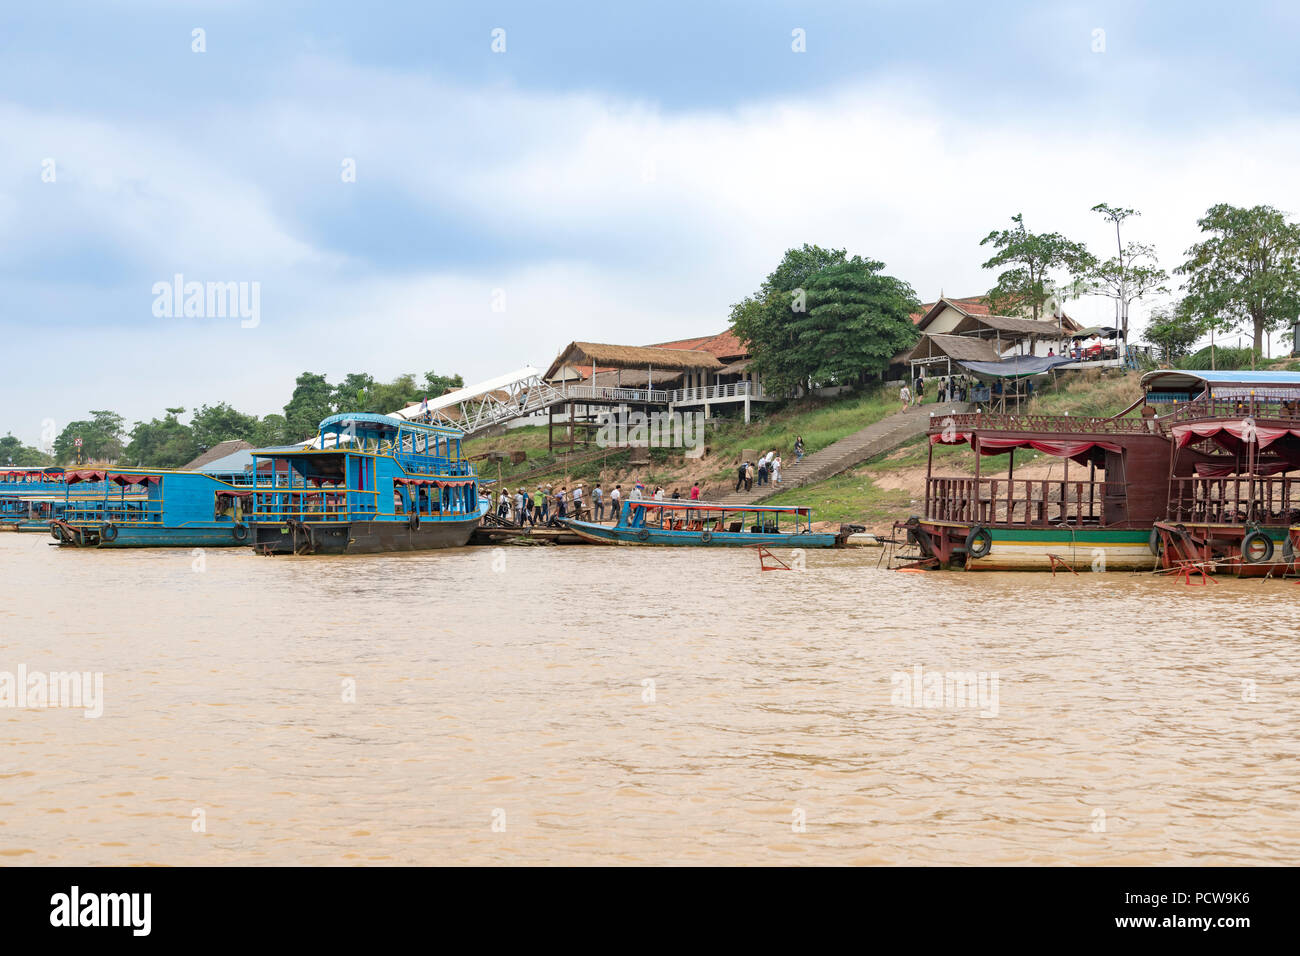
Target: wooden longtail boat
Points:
(702, 525)
(367, 483)
(1194, 473)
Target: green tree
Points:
(1033, 258)
(161, 443)
(101, 439)
(435, 384)
(1128, 275)
(1173, 330)
(1246, 273)
(14, 452)
(213, 424)
(312, 402)
(271, 430)
(353, 393)
(823, 317)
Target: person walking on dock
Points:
(615, 500)
(577, 501)
(544, 501)
(598, 503)
(520, 514)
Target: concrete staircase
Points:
(871, 442)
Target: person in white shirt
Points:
(905, 396)
(776, 469)
(598, 503)
(615, 500)
(577, 502)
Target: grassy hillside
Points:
(890, 489)
(820, 421)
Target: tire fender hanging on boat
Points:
(1153, 542)
(979, 542)
(706, 536)
(414, 521)
(108, 531)
(239, 532)
(1247, 548)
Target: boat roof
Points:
(708, 506)
(1173, 378)
(384, 421)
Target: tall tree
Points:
(435, 384)
(312, 402)
(1246, 273)
(161, 443)
(818, 302)
(101, 438)
(1131, 273)
(213, 424)
(14, 452)
(1033, 258)
(353, 393)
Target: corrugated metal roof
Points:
(1186, 378)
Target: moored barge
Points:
(1194, 473)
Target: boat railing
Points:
(1266, 407)
(129, 511)
(1023, 502)
(1010, 422)
(1237, 499)
(307, 504)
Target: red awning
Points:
(1231, 435)
(75, 477)
(235, 494)
(134, 479)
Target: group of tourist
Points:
(949, 388)
(547, 502)
(765, 471)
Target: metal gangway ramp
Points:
(516, 394)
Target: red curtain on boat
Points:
(134, 479)
(1230, 435)
(958, 438)
(235, 494)
(1209, 469)
(75, 477)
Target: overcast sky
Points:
(617, 175)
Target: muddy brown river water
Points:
(601, 705)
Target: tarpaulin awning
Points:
(235, 494)
(134, 479)
(1231, 435)
(1019, 366)
(75, 477)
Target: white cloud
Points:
(661, 218)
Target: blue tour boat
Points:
(700, 524)
(152, 508)
(367, 483)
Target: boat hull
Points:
(144, 537)
(1033, 549)
(656, 537)
(361, 537)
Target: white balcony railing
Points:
(716, 393)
